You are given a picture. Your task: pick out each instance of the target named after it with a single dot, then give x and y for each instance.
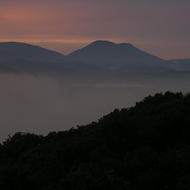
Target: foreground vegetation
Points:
(143, 147)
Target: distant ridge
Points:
(118, 56)
(100, 56)
(104, 43)
(101, 43)
(22, 57)
(26, 58)
(12, 50)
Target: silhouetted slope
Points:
(99, 57)
(124, 57)
(22, 57)
(143, 147)
(25, 57)
(20, 50)
(14, 51)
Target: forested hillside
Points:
(143, 147)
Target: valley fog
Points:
(40, 104)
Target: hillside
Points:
(142, 147)
(119, 57)
(99, 57)
(22, 57)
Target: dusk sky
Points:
(160, 27)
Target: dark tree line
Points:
(143, 147)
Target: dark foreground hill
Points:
(143, 147)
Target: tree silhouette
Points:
(143, 147)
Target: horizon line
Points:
(83, 43)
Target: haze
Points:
(40, 104)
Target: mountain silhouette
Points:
(16, 56)
(22, 57)
(98, 57)
(115, 56)
(26, 52)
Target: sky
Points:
(160, 27)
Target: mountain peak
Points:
(102, 48)
(23, 50)
(104, 43)
(23, 57)
(16, 45)
(106, 54)
(101, 43)
(13, 43)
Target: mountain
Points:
(180, 64)
(118, 57)
(99, 57)
(142, 147)
(23, 51)
(22, 57)
(19, 57)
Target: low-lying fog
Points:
(40, 104)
